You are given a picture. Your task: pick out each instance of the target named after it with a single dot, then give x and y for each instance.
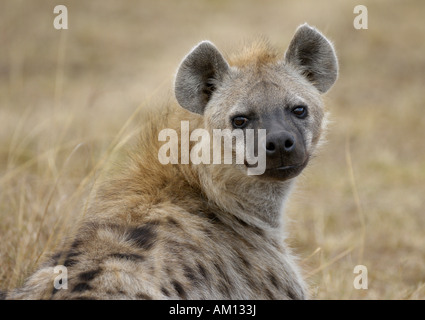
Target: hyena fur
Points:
(206, 231)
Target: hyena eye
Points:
(239, 122)
(300, 112)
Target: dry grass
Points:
(69, 101)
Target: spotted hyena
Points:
(205, 231)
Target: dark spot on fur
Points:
(81, 287)
(202, 271)
(72, 254)
(220, 270)
(188, 273)
(143, 296)
(309, 75)
(208, 89)
(127, 256)
(70, 262)
(241, 222)
(179, 289)
(273, 280)
(55, 259)
(54, 291)
(143, 236)
(293, 294)
(89, 275)
(76, 243)
(57, 255)
(211, 216)
(2, 295)
(258, 232)
(173, 222)
(165, 291)
(269, 294)
(69, 258)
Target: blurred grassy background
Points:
(67, 99)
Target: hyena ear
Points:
(314, 57)
(199, 74)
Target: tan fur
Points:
(258, 53)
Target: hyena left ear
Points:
(314, 57)
(198, 76)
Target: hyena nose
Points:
(280, 142)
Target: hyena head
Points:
(259, 89)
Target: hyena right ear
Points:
(198, 76)
(314, 57)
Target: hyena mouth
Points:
(284, 172)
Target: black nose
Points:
(280, 142)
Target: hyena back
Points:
(207, 231)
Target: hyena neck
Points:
(258, 203)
